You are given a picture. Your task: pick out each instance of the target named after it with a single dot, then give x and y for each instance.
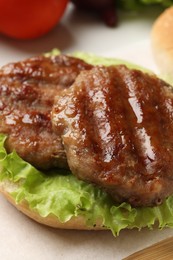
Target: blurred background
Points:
(88, 29)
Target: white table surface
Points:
(22, 238)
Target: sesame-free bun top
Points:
(162, 41)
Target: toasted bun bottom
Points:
(7, 187)
(162, 41)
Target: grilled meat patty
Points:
(116, 126)
(27, 91)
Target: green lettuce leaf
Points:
(61, 194)
(97, 60)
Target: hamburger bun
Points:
(59, 200)
(162, 41)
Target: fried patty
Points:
(27, 91)
(116, 125)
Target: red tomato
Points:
(27, 19)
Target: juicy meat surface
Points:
(116, 126)
(27, 91)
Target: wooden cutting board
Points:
(162, 250)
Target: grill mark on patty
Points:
(149, 137)
(108, 137)
(135, 120)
